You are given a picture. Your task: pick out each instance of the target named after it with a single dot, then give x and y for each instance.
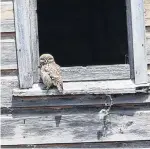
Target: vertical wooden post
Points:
(34, 40)
(136, 40)
(22, 25)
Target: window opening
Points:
(83, 32)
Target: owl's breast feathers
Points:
(54, 72)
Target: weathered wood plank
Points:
(92, 87)
(146, 1)
(34, 40)
(7, 10)
(79, 100)
(104, 145)
(148, 47)
(71, 100)
(148, 43)
(147, 13)
(7, 85)
(8, 54)
(7, 16)
(22, 21)
(136, 37)
(7, 26)
(85, 125)
(105, 72)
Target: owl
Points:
(50, 72)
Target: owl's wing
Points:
(55, 74)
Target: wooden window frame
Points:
(28, 51)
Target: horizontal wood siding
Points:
(8, 54)
(8, 83)
(148, 47)
(7, 16)
(75, 125)
(112, 145)
(147, 22)
(34, 121)
(147, 12)
(76, 100)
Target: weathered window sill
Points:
(93, 87)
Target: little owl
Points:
(50, 72)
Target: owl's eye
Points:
(52, 77)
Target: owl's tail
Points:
(57, 81)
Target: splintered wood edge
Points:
(93, 87)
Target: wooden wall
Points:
(34, 122)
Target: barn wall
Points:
(21, 114)
(8, 59)
(9, 78)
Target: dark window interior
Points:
(83, 32)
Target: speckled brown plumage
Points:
(50, 72)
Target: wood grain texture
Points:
(92, 87)
(148, 47)
(105, 72)
(113, 145)
(7, 10)
(8, 54)
(7, 16)
(147, 13)
(34, 40)
(7, 26)
(136, 36)
(8, 83)
(22, 24)
(75, 126)
(78, 100)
